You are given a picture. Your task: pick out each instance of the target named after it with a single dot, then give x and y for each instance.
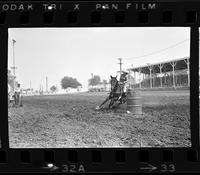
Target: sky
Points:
(78, 52)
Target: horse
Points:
(14, 97)
(116, 94)
(18, 96)
(11, 97)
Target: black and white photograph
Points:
(99, 87)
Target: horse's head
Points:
(114, 82)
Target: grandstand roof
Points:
(180, 65)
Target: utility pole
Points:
(120, 65)
(30, 87)
(46, 84)
(92, 75)
(13, 42)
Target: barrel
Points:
(134, 102)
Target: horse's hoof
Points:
(128, 112)
(97, 108)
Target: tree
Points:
(53, 88)
(95, 80)
(104, 82)
(69, 82)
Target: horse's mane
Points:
(116, 86)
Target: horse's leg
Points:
(15, 100)
(108, 98)
(21, 97)
(121, 100)
(18, 98)
(111, 103)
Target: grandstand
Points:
(169, 74)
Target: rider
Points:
(122, 82)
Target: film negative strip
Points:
(99, 86)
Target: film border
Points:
(184, 14)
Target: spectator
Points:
(18, 95)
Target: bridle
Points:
(115, 86)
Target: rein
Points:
(113, 91)
(115, 87)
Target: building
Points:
(173, 73)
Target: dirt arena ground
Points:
(71, 120)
